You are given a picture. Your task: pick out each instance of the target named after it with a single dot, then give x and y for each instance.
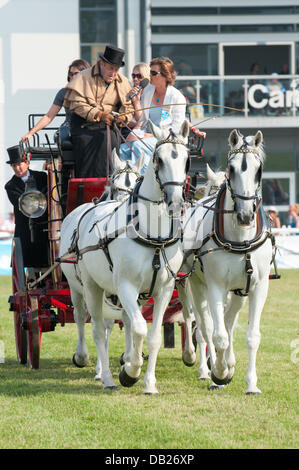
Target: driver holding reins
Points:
(93, 96)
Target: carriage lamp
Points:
(32, 203)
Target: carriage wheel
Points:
(19, 302)
(33, 332)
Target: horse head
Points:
(125, 176)
(171, 163)
(244, 173)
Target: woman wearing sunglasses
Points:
(160, 91)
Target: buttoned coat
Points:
(34, 254)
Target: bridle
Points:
(128, 189)
(171, 139)
(245, 150)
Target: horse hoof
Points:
(217, 381)
(76, 363)
(188, 364)
(126, 380)
(253, 393)
(111, 387)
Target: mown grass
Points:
(62, 407)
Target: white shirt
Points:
(171, 116)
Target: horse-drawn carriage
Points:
(141, 243)
(39, 305)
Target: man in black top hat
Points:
(36, 252)
(93, 96)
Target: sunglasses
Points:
(137, 75)
(154, 73)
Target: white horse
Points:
(122, 183)
(131, 250)
(234, 249)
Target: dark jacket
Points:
(35, 254)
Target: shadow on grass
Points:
(61, 376)
(58, 376)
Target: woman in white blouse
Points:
(160, 91)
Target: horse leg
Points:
(234, 305)
(203, 369)
(154, 337)
(130, 372)
(219, 370)
(204, 325)
(93, 295)
(127, 323)
(81, 357)
(257, 300)
(189, 354)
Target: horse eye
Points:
(231, 171)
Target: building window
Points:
(97, 27)
(239, 11)
(190, 59)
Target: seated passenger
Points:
(36, 251)
(159, 92)
(75, 67)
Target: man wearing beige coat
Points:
(92, 96)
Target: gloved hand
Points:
(120, 121)
(104, 116)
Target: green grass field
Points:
(61, 407)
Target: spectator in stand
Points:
(273, 215)
(294, 217)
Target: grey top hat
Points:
(15, 155)
(113, 55)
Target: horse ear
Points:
(140, 162)
(258, 138)
(210, 174)
(117, 163)
(185, 129)
(234, 137)
(157, 132)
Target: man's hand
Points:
(106, 117)
(120, 121)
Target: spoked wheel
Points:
(33, 332)
(19, 299)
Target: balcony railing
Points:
(256, 95)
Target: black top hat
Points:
(113, 55)
(15, 155)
